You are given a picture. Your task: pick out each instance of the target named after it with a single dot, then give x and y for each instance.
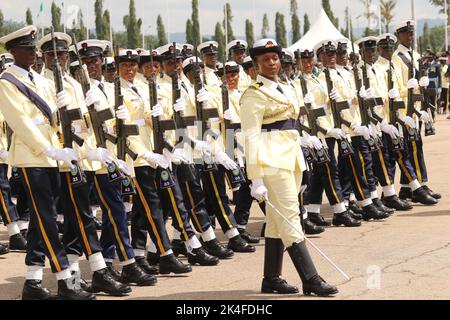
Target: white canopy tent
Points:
(322, 29)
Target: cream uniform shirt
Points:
(33, 133)
(79, 127)
(264, 104)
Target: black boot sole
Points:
(320, 294)
(95, 289)
(270, 290)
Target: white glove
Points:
(203, 96)
(178, 156)
(122, 113)
(412, 84)
(309, 98)
(373, 132)
(66, 155)
(391, 130)
(334, 95)
(157, 111)
(156, 160)
(202, 146)
(180, 105)
(226, 161)
(259, 190)
(305, 141)
(370, 93)
(424, 82)
(335, 133)
(394, 94)
(425, 116)
(362, 131)
(100, 154)
(230, 115)
(123, 166)
(317, 144)
(63, 99)
(362, 92)
(92, 98)
(4, 155)
(409, 122)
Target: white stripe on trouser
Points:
(151, 247)
(176, 235)
(374, 195)
(73, 262)
(96, 262)
(60, 218)
(305, 215)
(23, 225)
(365, 202)
(233, 232)
(34, 272)
(63, 275)
(127, 262)
(139, 252)
(339, 208)
(313, 208)
(13, 228)
(167, 253)
(389, 190)
(414, 185)
(284, 187)
(208, 235)
(193, 243)
(352, 197)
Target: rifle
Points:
(235, 177)
(336, 108)
(365, 109)
(426, 105)
(159, 128)
(412, 98)
(321, 156)
(98, 119)
(77, 177)
(203, 115)
(123, 132)
(394, 106)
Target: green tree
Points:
(229, 22)
(306, 23)
(327, 7)
(78, 27)
(387, 12)
(441, 5)
(425, 39)
(189, 32)
(100, 29)
(280, 30)
(249, 33)
(2, 21)
(295, 22)
(133, 26)
(265, 26)
(196, 36)
(29, 17)
(219, 37)
(56, 17)
(162, 35)
(369, 15)
(106, 21)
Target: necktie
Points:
(280, 89)
(31, 77)
(101, 86)
(135, 90)
(184, 86)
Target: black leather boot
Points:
(17, 242)
(263, 230)
(422, 196)
(355, 216)
(311, 228)
(24, 233)
(102, 281)
(247, 236)
(346, 220)
(201, 257)
(318, 220)
(115, 274)
(98, 224)
(273, 264)
(405, 194)
(171, 264)
(153, 258)
(33, 290)
(380, 205)
(395, 203)
(178, 247)
(143, 263)
(312, 282)
(69, 290)
(354, 207)
(3, 249)
(433, 194)
(237, 244)
(215, 248)
(133, 274)
(372, 212)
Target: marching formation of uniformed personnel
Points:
(169, 133)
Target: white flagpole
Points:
(446, 24)
(168, 20)
(380, 30)
(64, 16)
(226, 31)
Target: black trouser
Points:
(414, 150)
(244, 201)
(354, 169)
(115, 233)
(80, 234)
(443, 100)
(217, 201)
(7, 207)
(326, 177)
(18, 191)
(173, 204)
(41, 185)
(147, 214)
(381, 166)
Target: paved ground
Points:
(404, 257)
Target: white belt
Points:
(39, 121)
(76, 128)
(139, 122)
